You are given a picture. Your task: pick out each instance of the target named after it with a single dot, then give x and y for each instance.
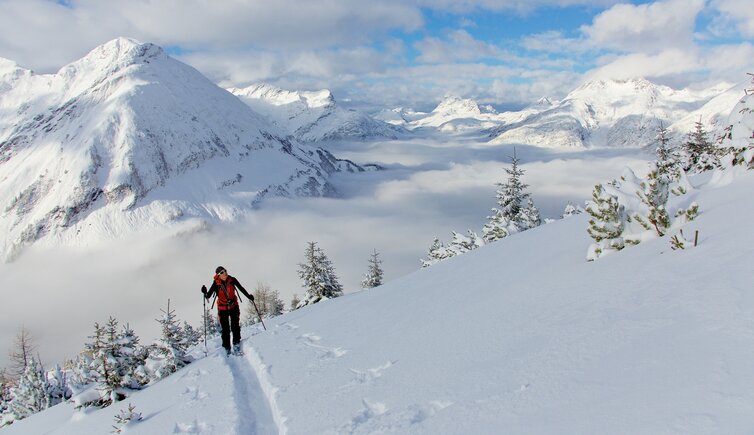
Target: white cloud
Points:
(738, 12)
(45, 27)
(516, 6)
(665, 63)
(647, 28)
(458, 46)
(553, 41)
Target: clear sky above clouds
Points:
(404, 52)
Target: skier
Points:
(224, 286)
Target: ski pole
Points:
(204, 317)
(258, 315)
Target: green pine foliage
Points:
(606, 221)
(654, 195)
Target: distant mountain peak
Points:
(454, 104)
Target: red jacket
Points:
(226, 292)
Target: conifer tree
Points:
(515, 211)
(170, 350)
(437, 252)
(132, 358)
(699, 151)
(654, 195)
(529, 216)
(668, 160)
(373, 276)
(56, 386)
(191, 334)
(108, 364)
(571, 210)
(6, 384)
(461, 244)
(30, 395)
(318, 276)
(606, 223)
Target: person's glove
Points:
(204, 290)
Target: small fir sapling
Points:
(373, 276)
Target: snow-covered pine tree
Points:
(515, 211)
(108, 364)
(6, 383)
(30, 395)
(606, 223)
(133, 356)
(668, 160)
(126, 418)
(654, 195)
(700, 154)
(571, 210)
(168, 354)
(56, 385)
(461, 244)
(277, 306)
(373, 276)
(437, 252)
(529, 216)
(318, 276)
(191, 334)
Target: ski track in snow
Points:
(254, 411)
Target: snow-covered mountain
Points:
(619, 114)
(455, 114)
(313, 116)
(128, 139)
(612, 113)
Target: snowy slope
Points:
(312, 116)
(647, 340)
(128, 139)
(619, 114)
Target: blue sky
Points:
(404, 52)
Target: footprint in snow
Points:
(310, 339)
(195, 427)
(368, 375)
(195, 374)
(194, 395)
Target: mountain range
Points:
(313, 116)
(128, 139)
